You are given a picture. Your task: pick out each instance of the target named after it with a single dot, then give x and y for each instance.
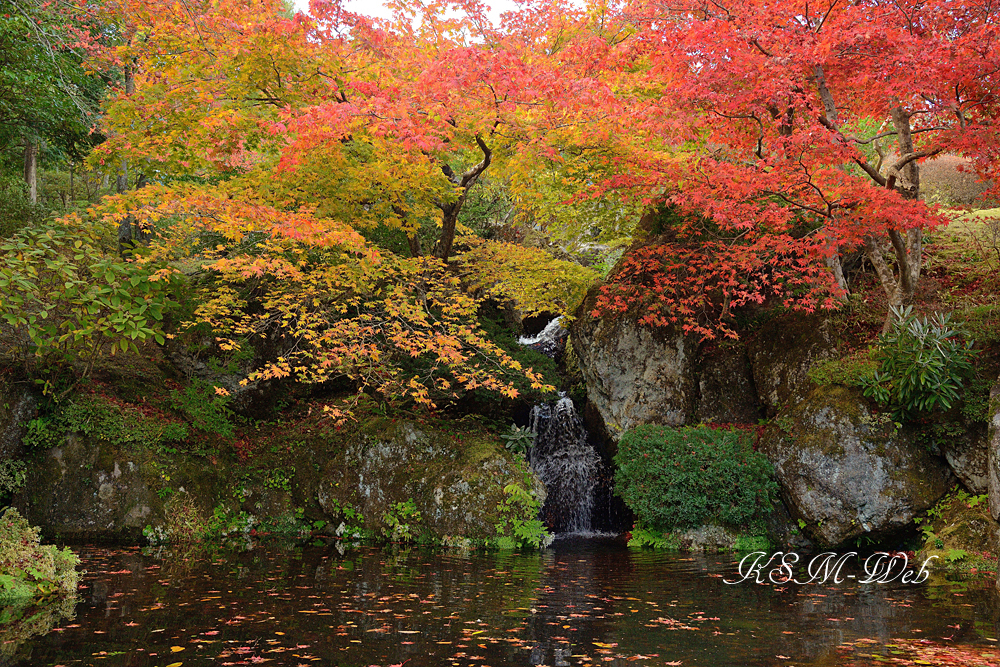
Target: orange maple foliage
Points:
(763, 125)
(274, 144)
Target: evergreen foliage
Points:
(690, 476)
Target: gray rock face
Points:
(847, 473)
(993, 455)
(17, 407)
(637, 375)
(634, 374)
(968, 457)
(781, 353)
(455, 495)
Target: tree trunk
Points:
(122, 181)
(909, 174)
(126, 243)
(833, 262)
(907, 246)
(449, 221)
(31, 169)
(449, 212)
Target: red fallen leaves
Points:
(919, 652)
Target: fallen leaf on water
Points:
(176, 649)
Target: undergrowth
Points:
(29, 569)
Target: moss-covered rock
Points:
(846, 473)
(18, 405)
(781, 353)
(455, 480)
(727, 392)
(88, 488)
(959, 530)
(454, 473)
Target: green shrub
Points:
(27, 568)
(690, 476)
(402, 521)
(102, 419)
(519, 441)
(922, 364)
(206, 409)
(68, 298)
(519, 525)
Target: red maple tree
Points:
(788, 132)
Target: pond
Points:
(580, 602)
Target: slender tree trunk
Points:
(908, 183)
(449, 221)
(449, 212)
(907, 246)
(833, 119)
(31, 169)
(835, 266)
(414, 241)
(125, 237)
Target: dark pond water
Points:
(577, 603)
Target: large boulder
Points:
(18, 406)
(90, 489)
(639, 375)
(87, 488)
(635, 374)
(967, 452)
(455, 480)
(781, 352)
(727, 392)
(847, 473)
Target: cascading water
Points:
(550, 341)
(567, 464)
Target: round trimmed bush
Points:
(691, 476)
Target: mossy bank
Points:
(403, 478)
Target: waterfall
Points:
(550, 341)
(567, 464)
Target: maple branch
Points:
(804, 207)
(826, 16)
(892, 133)
(829, 106)
(760, 48)
(871, 171)
(890, 181)
(470, 176)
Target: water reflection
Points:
(578, 603)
